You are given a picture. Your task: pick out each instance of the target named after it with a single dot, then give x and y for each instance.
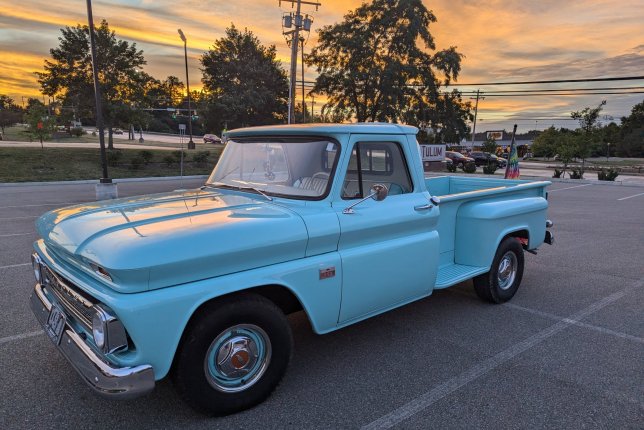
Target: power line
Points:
(557, 81)
(563, 94)
(559, 90)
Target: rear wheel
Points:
(233, 355)
(501, 283)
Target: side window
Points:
(376, 163)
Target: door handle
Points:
(426, 207)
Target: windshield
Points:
(296, 169)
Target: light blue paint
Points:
(170, 253)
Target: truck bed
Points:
(457, 191)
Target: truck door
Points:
(389, 248)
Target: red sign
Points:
(39, 125)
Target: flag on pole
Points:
(512, 169)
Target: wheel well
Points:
(281, 296)
(520, 234)
(278, 294)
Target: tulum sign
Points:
(432, 152)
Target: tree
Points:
(243, 81)
(41, 125)
(588, 119)
(372, 65)
(10, 113)
(489, 145)
(631, 142)
(567, 149)
(68, 75)
(547, 143)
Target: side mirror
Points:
(378, 192)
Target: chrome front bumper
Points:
(108, 381)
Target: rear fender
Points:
(482, 225)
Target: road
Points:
(566, 352)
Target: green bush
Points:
(451, 167)
(201, 157)
(113, 157)
(77, 131)
(469, 167)
(490, 168)
(136, 163)
(146, 156)
(557, 173)
(169, 160)
(607, 175)
(177, 155)
(576, 174)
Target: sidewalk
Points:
(14, 144)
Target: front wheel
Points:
(233, 355)
(502, 281)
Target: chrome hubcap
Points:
(237, 358)
(507, 270)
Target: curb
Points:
(96, 181)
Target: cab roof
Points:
(324, 129)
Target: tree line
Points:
(592, 139)
(380, 63)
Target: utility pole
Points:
(303, 102)
(191, 144)
(312, 106)
(476, 110)
(300, 23)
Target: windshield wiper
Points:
(207, 185)
(233, 187)
(258, 191)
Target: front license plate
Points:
(55, 324)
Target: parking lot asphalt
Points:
(566, 352)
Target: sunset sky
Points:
(502, 40)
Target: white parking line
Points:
(630, 197)
(15, 234)
(21, 336)
(569, 188)
(15, 265)
(577, 323)
(19, 217)
(39, 205)
(451, 385)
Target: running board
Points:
(455, 273)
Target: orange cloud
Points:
(501, 39)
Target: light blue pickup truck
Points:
(335, 220)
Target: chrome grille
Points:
(75, 302)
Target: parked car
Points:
(198, 283)
(212, 138)
(482, 158)
(457, 158)
(117, 131)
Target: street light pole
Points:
(97, 95)
(191, 144)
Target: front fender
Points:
(155, 320)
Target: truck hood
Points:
(160, 240)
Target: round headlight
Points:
(98, 330)
(35, 263)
